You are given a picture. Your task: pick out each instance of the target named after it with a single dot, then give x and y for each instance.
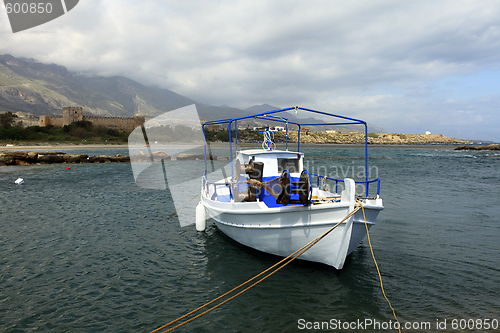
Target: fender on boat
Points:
(201, 217)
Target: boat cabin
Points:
(274, 161)
(269, 171)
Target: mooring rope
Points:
(283, 263)
(378, 270)
(184, 205)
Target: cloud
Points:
(384, 60)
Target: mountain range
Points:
(35, 89)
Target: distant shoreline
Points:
(383, 145)
(62, 146)
(125, 146)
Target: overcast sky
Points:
(406, 66)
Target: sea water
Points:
(87, 250)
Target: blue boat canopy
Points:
(279, 117)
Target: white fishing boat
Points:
(271, 203)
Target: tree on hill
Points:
(7, 119)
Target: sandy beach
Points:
(60, 147)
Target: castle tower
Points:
(138, 121)
(44, 121)
(72, 114)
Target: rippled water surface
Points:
(87, 250)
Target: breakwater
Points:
(51, 157)
(494, 146)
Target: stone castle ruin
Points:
(74, 114)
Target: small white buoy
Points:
(201, 217)
(19, 181)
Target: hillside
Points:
(35, 88)
(28, 86)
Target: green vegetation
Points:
(182, 133)
(213, 136)
(7, 120)
(87, 133)
(244, 135)
(179, 133)
(222, 135)
(78, 132)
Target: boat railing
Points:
(322, 179)
(215, 185)
(320, 183)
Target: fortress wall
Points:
(51, 120)
(121, 123)
(73, 114)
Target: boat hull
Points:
(284, 230)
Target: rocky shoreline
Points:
(54, 157)
(493, 146)
(51, 157)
